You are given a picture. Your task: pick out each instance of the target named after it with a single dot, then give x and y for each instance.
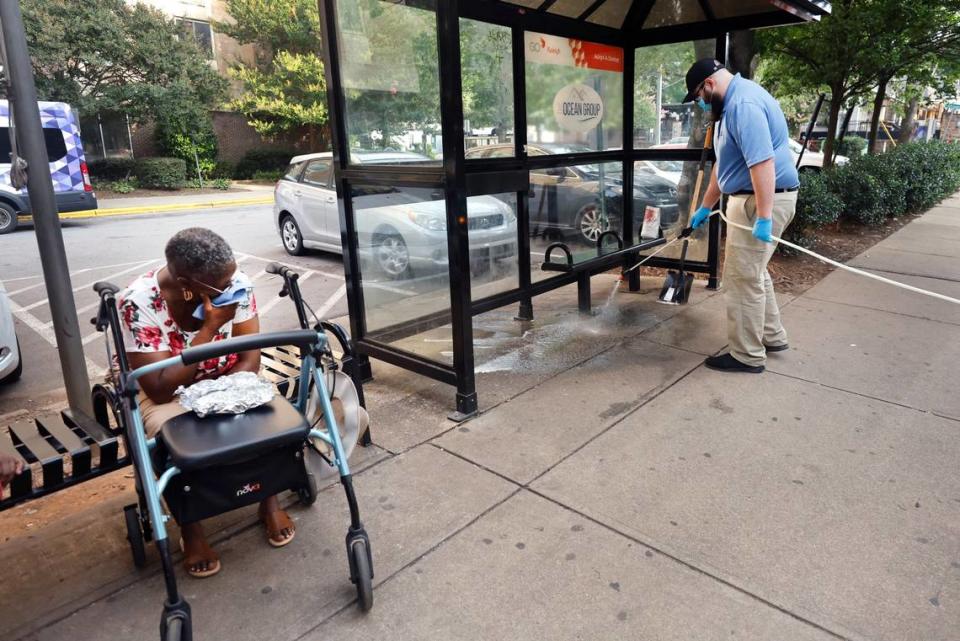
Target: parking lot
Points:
(118, 250)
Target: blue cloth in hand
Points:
(762, 229)
(237, 292)
(700, 216)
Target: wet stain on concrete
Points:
(922, 539)
(707, 455)
(797, 482)
(266, 589)
(464, 429)
(383, 499)
(615, 585)
(935, 601)
(388, 506)
(570, 556)
(326, 552)
(648, 554)
(521, 545)
(488, 541)
(615, 409)
(718, 404)
(673, 523)
(622, 615)
(577, 528)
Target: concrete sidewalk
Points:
(613, 488)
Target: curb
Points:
(145, 209)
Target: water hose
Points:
(853, 270)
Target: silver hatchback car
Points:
(401, 231)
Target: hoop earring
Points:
(187, 295)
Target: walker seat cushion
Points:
(194, 443)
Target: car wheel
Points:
(8, 218)
(589, 224)
(291, 236)
(15, 374)
(391, 254)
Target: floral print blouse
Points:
(148, 327)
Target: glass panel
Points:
(735, 8)
(574, 94)
(569, 8)
(293, 171)
(661, 121)
(573, 205)
(661, 198)
(388, 57)
(487, 62)
(402, 246)
(667, 13)
(611, 13)
(492, 230)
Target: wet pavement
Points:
(612, 487)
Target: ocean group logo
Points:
(578, 108)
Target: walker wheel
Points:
(363, 574)
(308, 494)
(135, 535)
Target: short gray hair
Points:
(197, 251)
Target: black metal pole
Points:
(813, 121)
(842, 134)
(525, 311)
(46, 221)
(455, 192)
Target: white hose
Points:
(853, 270)
(646, 258)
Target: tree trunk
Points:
(741, 52)
(836, 106)
(875, 118)
(910, 121)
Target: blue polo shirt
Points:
(752, 129)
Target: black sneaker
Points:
(727, 363)
(776, 348)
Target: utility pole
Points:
(46, 222)
(659, 106)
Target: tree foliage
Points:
(110, 56)
(858, 49)
(285, 90)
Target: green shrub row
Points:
(870, 189)
(161, 173)
(270, 161)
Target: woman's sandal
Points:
(276, 522)
(191, 560)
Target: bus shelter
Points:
(470, 136)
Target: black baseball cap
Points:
(700, 71)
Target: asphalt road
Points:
(119, 249)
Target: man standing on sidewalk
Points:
(755, 169)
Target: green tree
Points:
(857, 50)
(285, 90)
(119, 58)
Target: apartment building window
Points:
(200, 32)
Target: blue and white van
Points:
(71, 180)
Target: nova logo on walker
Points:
(249, 488)
(578, 108)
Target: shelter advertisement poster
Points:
(568, 52)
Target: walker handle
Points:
(302, 338)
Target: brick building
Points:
(114, 135)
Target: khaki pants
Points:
(154, 415)
(753, 317)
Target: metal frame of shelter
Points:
(459, 179)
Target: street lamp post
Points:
(46, 222)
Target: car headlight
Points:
(427, 221)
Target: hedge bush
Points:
(104, 169)
(852, 147)
(262, 160)
(161, 173)
(869, 189)
(817, 206)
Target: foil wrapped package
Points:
(231, 394)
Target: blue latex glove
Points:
(700, 216)
(762, 229)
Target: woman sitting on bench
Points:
(180, 305)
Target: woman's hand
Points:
(215, 317)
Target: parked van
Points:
(71, 180)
